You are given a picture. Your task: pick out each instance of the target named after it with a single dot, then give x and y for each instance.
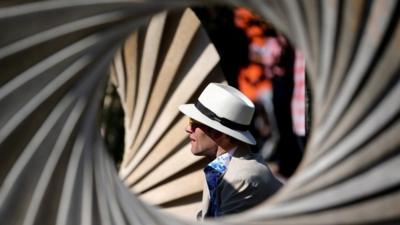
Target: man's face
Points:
(200, 140)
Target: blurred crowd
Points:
(263, 64)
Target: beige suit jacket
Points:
(246, 183)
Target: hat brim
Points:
(191, 111)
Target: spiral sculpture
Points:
(55, 57)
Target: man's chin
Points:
(196, 153)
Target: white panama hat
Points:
(223, 108)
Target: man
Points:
(236, 179)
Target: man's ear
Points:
(214, 134)
(217, 135)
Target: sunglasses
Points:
(194, 123)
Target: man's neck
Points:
(221, 150)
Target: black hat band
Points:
(221, 120)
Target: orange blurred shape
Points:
(254, 31)
(252, 81)
(242, 17)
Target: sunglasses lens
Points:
(193, 122)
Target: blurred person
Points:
(235, 178)
(258, 88)
(298, 104)
(266, 50)
(271, 50)
(288, 153)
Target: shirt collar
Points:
(221, 163)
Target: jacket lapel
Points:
(239, 153)
(206, 199)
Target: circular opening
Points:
(157, 163)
